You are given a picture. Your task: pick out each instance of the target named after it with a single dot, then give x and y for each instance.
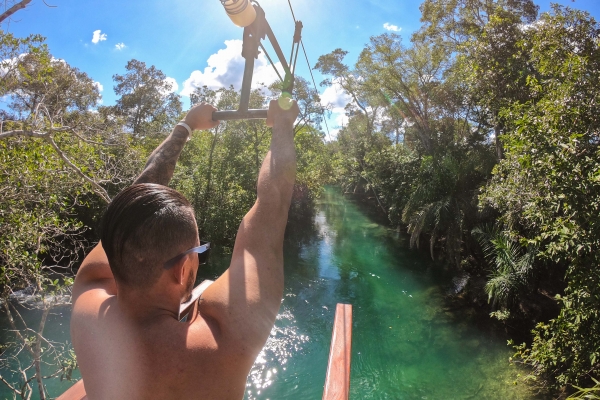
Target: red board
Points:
(75, 392)
(337, 381)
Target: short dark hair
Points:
(144, 226)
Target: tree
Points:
(147, 101)
(443, 202)
(410, 79)
(361, 135)
(351, 82)
(547, 187)
(309, 103)
(59, 158)
(12, 52)
(511, 267)
(455, 22)
(483, 37)
(54, 102)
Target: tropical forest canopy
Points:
(478, 136)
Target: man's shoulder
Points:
(88, 315)
(91, 302)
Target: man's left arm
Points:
(95, 272)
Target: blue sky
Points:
(183, 36)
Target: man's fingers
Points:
(200, 117)
(270, 113)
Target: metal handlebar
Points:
(235, 115)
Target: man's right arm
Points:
(245, 300)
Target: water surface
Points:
(406, 344)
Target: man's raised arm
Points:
(161, 163)
(95, 272)
(245, 300)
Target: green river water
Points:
(406, 344)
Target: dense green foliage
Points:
(481, 136)
(218, 169)
(548, 187)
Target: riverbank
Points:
(469, 297)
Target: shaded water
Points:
(406, 345)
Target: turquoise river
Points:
(407, 343)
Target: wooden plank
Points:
(75, 392)
(337, 381)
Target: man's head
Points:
(144, 226)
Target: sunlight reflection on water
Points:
(283, 343)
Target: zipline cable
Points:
(315, 85)
(293, 16)
(310, 70)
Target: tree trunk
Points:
(37, 349)
(209, 178)
(499, 148)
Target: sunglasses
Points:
(203, 251)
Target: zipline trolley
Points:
(251, 17)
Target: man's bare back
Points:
(159, 359)
(128, 340)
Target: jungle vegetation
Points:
(478, 136)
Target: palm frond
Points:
(511, 265)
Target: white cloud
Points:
(173, 82)
(99, 86)
(391, 27)
(10, 64)
(98, 36)
(335, 96)
(226, 67)
(336, 99)
(120, 46)
(60, 60)
(534, 25)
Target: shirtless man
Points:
(125, 329)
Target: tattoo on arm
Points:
(161, 163)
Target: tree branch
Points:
(89, 141)
(20, 132)
(11, 320)
(8, 384)
(100, 191)
(19, 6)
(38, 353)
